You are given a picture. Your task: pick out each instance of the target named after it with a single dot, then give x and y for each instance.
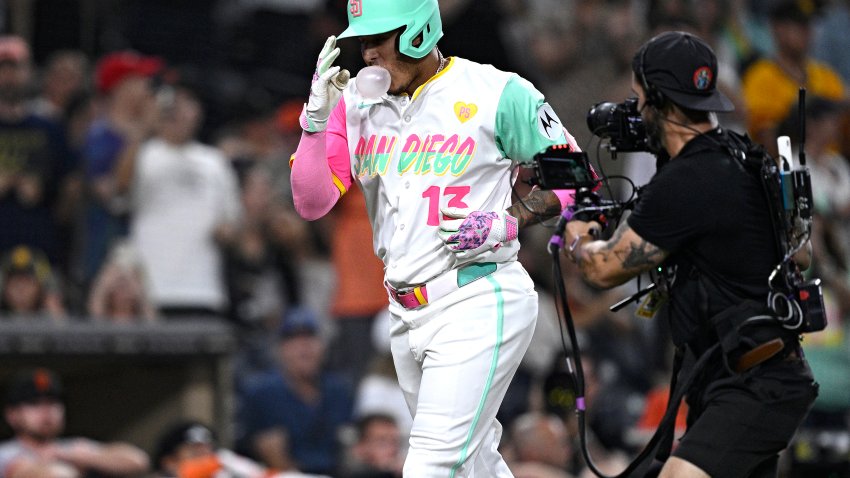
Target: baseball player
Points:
(435, 159)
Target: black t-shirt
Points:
(710, 215)
(37, 147)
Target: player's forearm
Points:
(538, 206)
(122, 459)
(111, 458)
(313, 190)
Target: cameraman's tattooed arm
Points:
(538, 206)
(615, 261)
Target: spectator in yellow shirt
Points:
(771, 85)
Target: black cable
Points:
(578, 374)
(577, 371)
(541, 218)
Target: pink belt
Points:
(420, 295)
(410, 298)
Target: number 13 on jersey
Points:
(433, 194)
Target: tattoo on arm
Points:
(538, 206)
(619, 257)
(639, 256)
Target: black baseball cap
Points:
(31, 385)
(684, 68)
(182, 433)
(797, 11)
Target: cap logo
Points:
(702, 78)
(198, 434)
(355, 7)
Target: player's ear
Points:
(418, 40)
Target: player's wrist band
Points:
(511, 228)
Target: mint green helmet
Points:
(373, 17)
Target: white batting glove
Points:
(470, 233)
(326, 90)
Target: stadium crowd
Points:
(145, 180)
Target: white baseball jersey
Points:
(452, 144)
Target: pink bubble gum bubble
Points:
(373, 82)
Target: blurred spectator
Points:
(253, 137)
(654, 407)
(120, 292)
(290, 417)
(379, 392)
(34, 161)
(771, 85)
(359, 293)
(541, 446)
(377, 451)
(65, 76)
(80, 112)
(28, 286)
(189, 450)
(128, 109)
(36, 413)
(262, 276)
(832, 35)
(185, 207)
(265, 258)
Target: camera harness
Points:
(788, 195)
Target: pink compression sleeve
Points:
(320, 170)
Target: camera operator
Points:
(702, 229)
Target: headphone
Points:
(654, 97)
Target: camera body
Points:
(621, 123)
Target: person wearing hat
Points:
(435, 144)
(35, 410)
(291, 415)
(125, 88)
(189, 449)
(27, 285)
(702, 229)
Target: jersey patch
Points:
(548, 123)
(464, 111)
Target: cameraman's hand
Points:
(578, 233)
(326, 90)
(470, 233)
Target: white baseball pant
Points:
(455, 358)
